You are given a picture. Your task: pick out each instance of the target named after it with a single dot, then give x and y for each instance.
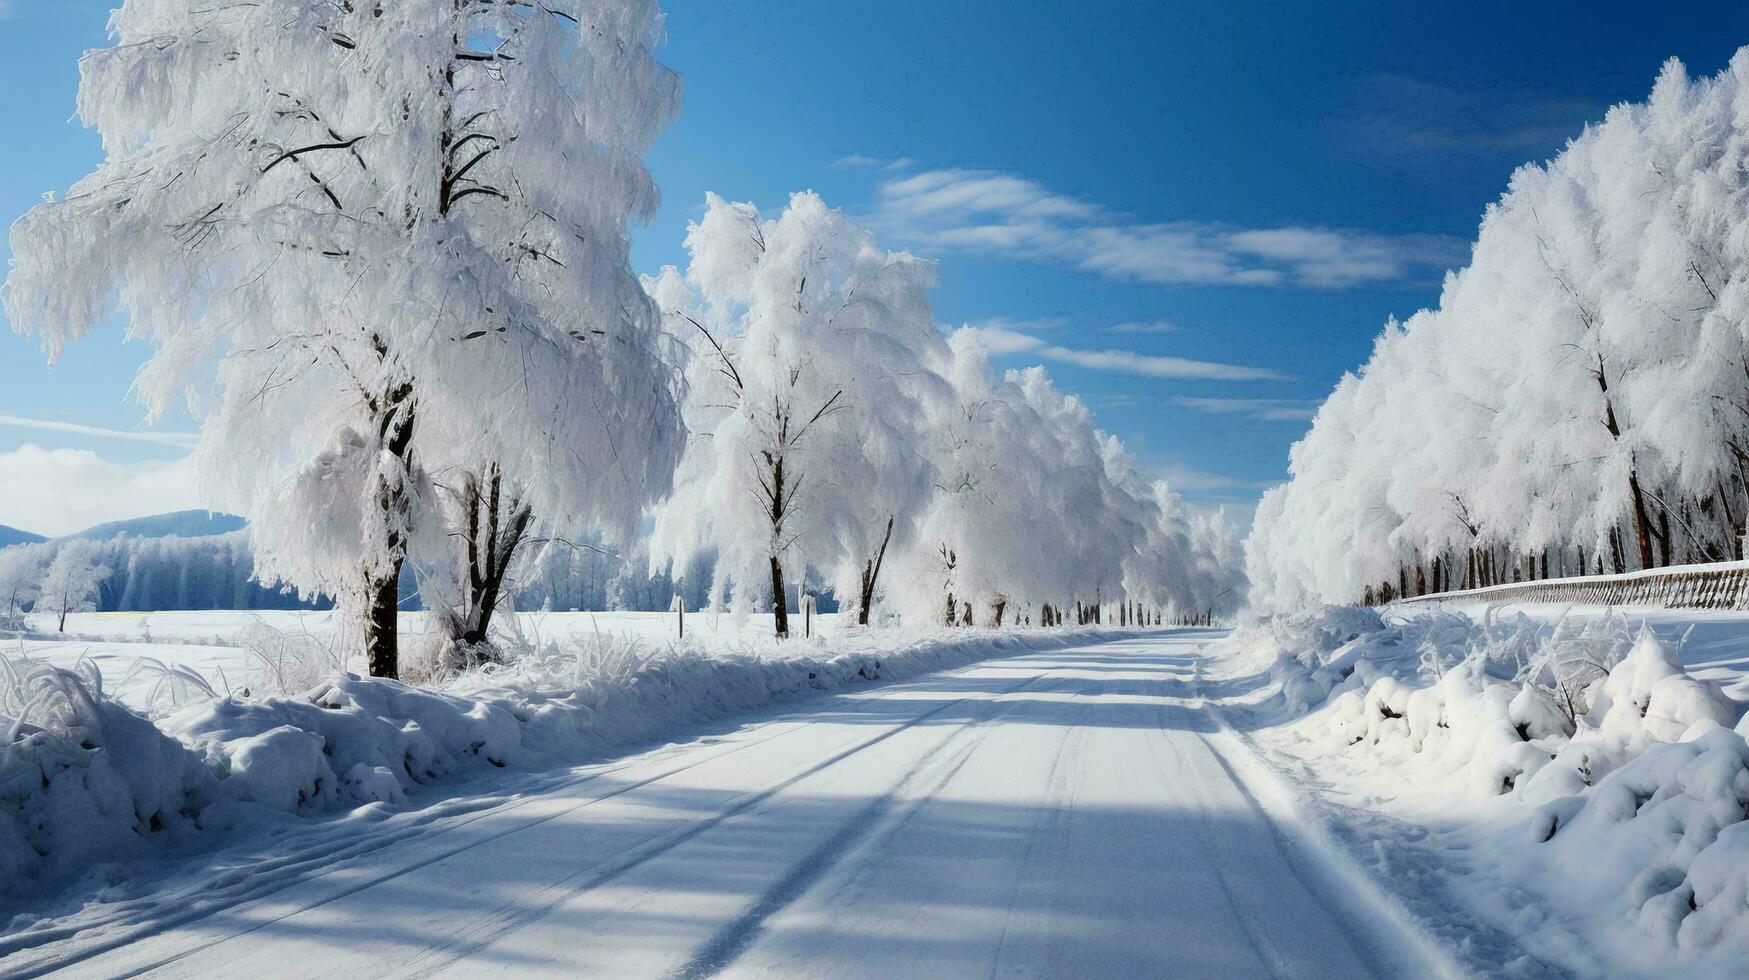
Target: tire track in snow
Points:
(861, 834)
(507, 918)
(1058, 787)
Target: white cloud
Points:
(990, 212)
(1015, 323)
(1142, 326)
(1183, 478)
(966, 193)
(181, 439)
(999, 340)
(857, 161)
(1159, 366)
(1260, 409)
(59, 491)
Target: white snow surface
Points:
(1068, 804)
(1605, 840)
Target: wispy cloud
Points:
(1142, 326)
(1396, 113)
(857, 161)
(1003, 341)
(996, 213)
(1033, 325)
(1184, 478)
(181, 439)
(1259, 409)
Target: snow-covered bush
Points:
(1627, 771)
(84, 779)
(289, 661)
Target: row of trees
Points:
(383, 249)
(835, 427)
(208, 572)
(1578, 403)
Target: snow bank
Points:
(84, 779)
(1630, 777)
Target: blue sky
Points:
(1197, 215)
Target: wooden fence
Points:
(1720, 586)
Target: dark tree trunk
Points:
(779, 510)
(381, 627)
(1664, 537)
(870, 574)
(1734, 541)
(394, 416)
(779, 600)
(492, 540)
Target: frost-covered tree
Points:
(384, 246)
(1577, 403)
(810, 380)
(21, 571)
(1037, 511)
(70, 585)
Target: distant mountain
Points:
(183, 524)
(11, 536)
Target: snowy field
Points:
(234, 651)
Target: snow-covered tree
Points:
(810, 379)
(1578, 402)
(21, 571)
(385, 246)
(1037, 512)
(71, 583)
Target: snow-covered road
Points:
(1063, 814)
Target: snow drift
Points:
(1629, 777)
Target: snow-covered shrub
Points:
(1665, 835)
(1632, 781)
(289, 661)
(82, 778)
